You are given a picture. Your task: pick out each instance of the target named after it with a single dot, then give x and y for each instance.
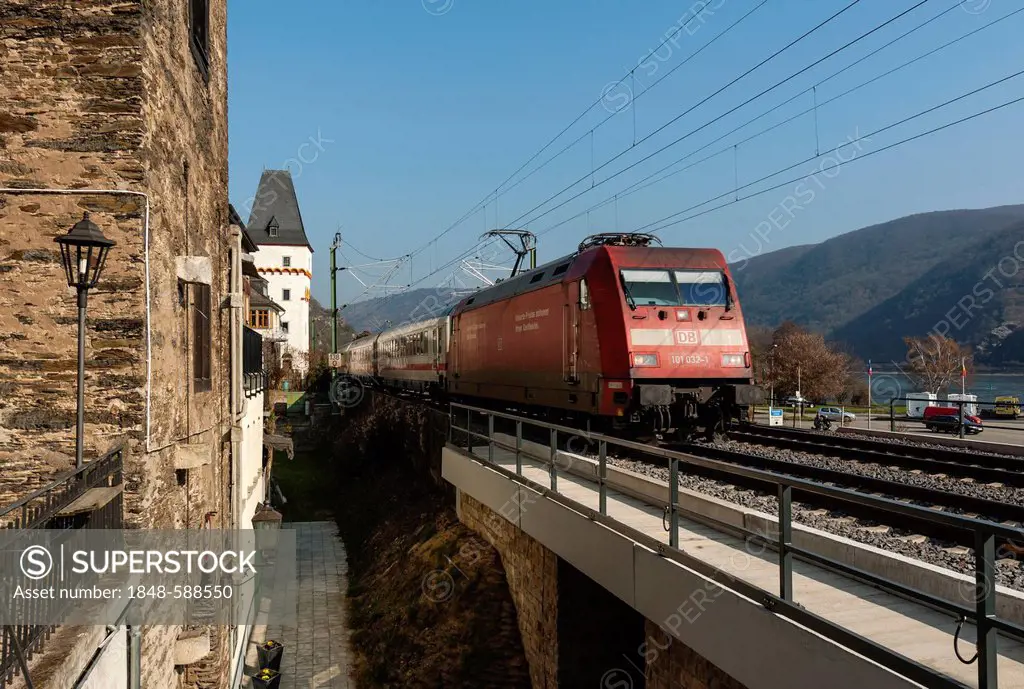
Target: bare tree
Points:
(272, 364)
(805, 363)
(935, 361)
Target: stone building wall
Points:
(532, 574)
(72, 90)
(106, 94)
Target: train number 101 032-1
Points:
(691, 360)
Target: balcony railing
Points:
(86, 498)
(255, 379)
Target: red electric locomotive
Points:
(631, 336)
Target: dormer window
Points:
(273, 228)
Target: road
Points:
(996, 430)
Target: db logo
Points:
(36, 562)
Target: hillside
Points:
(416, 304)
(320, 327)
(828, 285)
(976, 295)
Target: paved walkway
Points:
(317, 654)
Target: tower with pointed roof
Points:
(284, 259)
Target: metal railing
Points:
(43, 509)
(254, 378)
(984, 533)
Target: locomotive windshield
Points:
(675, 288)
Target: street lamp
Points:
(266, 518)
(266, 521)
(84, 250)
(771, 399)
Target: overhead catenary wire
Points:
(521, 218)
(673, 219)
(694, 12)
(635, 97)
(803, 36)
(646, 181)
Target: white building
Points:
(285, 259)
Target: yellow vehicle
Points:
(1008, 406)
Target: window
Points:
(201, 359)
(287, 261)
(284, 326)
(701, 287)
(259, 318)
(199, 34)
(273, 227)
(286, 295)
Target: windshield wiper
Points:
(728, 296)
(629, 296)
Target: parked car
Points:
(950, 423)
(836, 414)
(797, 401)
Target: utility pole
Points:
(334, 292)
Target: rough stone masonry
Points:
(113, 95)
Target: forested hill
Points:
(871, 287)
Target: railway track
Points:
(991, 469)
(994, 510)
(928, 497)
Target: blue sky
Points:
(421, 108)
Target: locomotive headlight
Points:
(645, 359)
(733, 360)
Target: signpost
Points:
(774, 417)
(334, 360)
(869, 394)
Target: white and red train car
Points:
(625, 335)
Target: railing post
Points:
(554, 451)
(961, 418)
(785, 540)
(985, 595)
(519, 447)
(892, 415)
(673, 500)
(602, 476)
(490, 438)
(469, 437)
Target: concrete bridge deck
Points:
(909, 628)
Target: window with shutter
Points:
(202, 364)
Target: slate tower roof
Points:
(275, 217)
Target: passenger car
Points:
(835, 414)
(950, 423)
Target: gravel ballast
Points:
(1009, 570)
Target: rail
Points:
(984, 535)
(43, 509)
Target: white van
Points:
(970, 402)
(917, 402)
